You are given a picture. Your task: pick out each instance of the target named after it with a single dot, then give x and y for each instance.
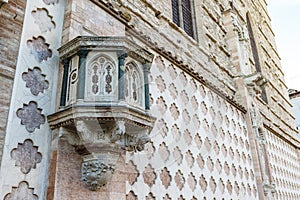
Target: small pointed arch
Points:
(134, 83)
(101, 70)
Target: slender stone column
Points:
(81, 80)
(122, 56)
(146, 68)
(66, 63)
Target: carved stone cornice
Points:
(101, 112)
(95, 43)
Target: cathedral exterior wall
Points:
(223, 130)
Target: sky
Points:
(285, 16)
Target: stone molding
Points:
(120, 44)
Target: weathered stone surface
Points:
(96, 174)
(131, 196)
(10, 36)
(21, 192)
(43, 19)
(39, 48)
(179, 180)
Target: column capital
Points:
(66, 61)
(146, 66)
(82, 53)
(122, 54)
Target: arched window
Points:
(182, 14)
(100, 73)
(134, 85)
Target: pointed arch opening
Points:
(134, 84)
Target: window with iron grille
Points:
(182, 14)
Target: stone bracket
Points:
(100, 139)
(254, 82)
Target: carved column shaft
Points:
(146, 68)
(121, 75)
(81, 79)
(66, 63)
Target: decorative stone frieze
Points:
(105, 110)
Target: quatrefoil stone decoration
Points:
(39, 48)
(23, 191)
(31, 116)
(26, 156)
(35, 80)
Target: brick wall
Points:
(11, 15)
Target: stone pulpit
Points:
(104, 102)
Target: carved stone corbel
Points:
(100, 145)
(254, 83)
(97, 170)
(118, 131)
